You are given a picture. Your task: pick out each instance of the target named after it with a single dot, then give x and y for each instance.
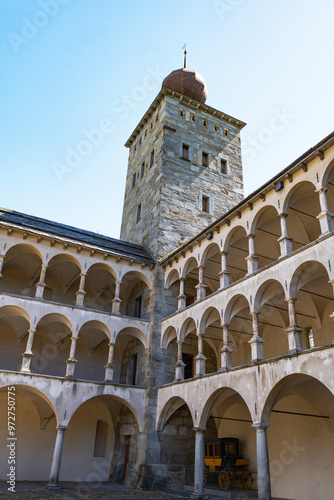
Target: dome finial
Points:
(185, 55)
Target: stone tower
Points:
(184, 167)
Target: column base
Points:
(51, 486)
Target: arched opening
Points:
(314, 304)
(273, 318)
(21, 270)
(300, 434)
(62, 279)
(14, 327)
(100, 287)
(266, 230)
(177, 443)
(133, 357)
(213, 334)
(172, 292)
(231, 437)
(302, 208)
(92, 351)
(237, 251)
(51, 345)
(238, 317)
(169, 350)
(329, 184)
(135, 295)
(211, 262)
(35, 430)
(190, 275)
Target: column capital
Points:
(61, 428)
(199, 429)
(260, 426)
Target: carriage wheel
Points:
(223, 480)
(205, 475)
(246, 480)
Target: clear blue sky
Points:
(69, 67)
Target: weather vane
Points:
(185, 55)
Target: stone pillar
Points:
(285, 240)
(181, 300)
(81, 292)
(293, 329)
(56, 460)
(263, 469)
(256, 342)
(71, 360)
(225, 352)
(224, 275)
(199, 465)
(201, 287)
(41, 284)
(109, 367)
(325, 217)
(200, 358)
(116, 302)
(28, 354)
(2, 258)
(252, 259)
(179, 367)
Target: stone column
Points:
(199, 465)
(179, 367)
(2, 258)
(71, 360)
(263, 469)
(109, 367)
(28, 354)
(325, 217)
(225, 352)
(41, 284)
(201, 287)
(224, 275)
(256, 342)
(116, 302)
(200, 358)
(252, 259)
(284, 240)
(181, 300)
(293, 329)
(56, 460)
(81, 292)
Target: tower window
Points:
(182, 113)
(133, 180)
(226, 132)
(193, 118)
(138, 215)
(142, 170)
(185, 151)
(205, 159)
(138, 306)
(216, 128)
(205, 123)
(205, 204)
(152, 158)
(223, 166)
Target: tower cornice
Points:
(213, 112)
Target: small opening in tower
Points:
(205, 204)
(193, 118)
(205, 123)
(142, 170)
(133, 180)
(226, 133)
(138, 215)
(182, 113)
(152, 158)
(216, 128)
(205, 159)
(223, 166)
(185, 151)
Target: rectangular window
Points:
(310, 338)
(205, 159)
(101, 436)
(205, 204)
(138, 215)
(133, 180)
(132, 378)
(185, 151)
(223, 166)
(152, 158)
(142, 170)
(138, 307)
